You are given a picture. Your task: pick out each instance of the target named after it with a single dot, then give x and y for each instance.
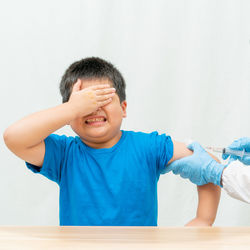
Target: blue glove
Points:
(240, 144)
(200, 168)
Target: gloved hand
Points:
(200, 168)
(240, 144)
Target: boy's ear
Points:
(124, 109)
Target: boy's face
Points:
(103, 133)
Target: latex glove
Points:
(240, 144)
(200, 168)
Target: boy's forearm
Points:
(209, 197)
(34, 128)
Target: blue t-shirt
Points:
(114, 186)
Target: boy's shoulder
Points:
(140, 133)
(62, 140)
(148, 138)
(127, 133)
(139, 138)
(62, 137)
(144, 137)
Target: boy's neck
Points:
(108, 144)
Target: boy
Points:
(106, 176)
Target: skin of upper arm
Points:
(34, 155)
(180, 151)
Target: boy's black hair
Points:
(91, 68)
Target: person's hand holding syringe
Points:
(238, 150)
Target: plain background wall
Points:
(186, 64)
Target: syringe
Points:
(240, 153)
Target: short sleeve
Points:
(53, 159)
(162, 146)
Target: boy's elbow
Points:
(209, 219)
(9, 139)
(6, 137)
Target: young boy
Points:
(107, 176)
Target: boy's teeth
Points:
(95, 120)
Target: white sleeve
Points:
(236, 181)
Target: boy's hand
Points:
(88, 100)
(198, 222)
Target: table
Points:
(55, 237)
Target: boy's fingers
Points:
(105, 91)
(105, 102)
(100, 86)
(105, 97)
(77, 85)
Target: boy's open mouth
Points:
(96, 120)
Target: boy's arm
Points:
(208, 195)
(25, 138)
